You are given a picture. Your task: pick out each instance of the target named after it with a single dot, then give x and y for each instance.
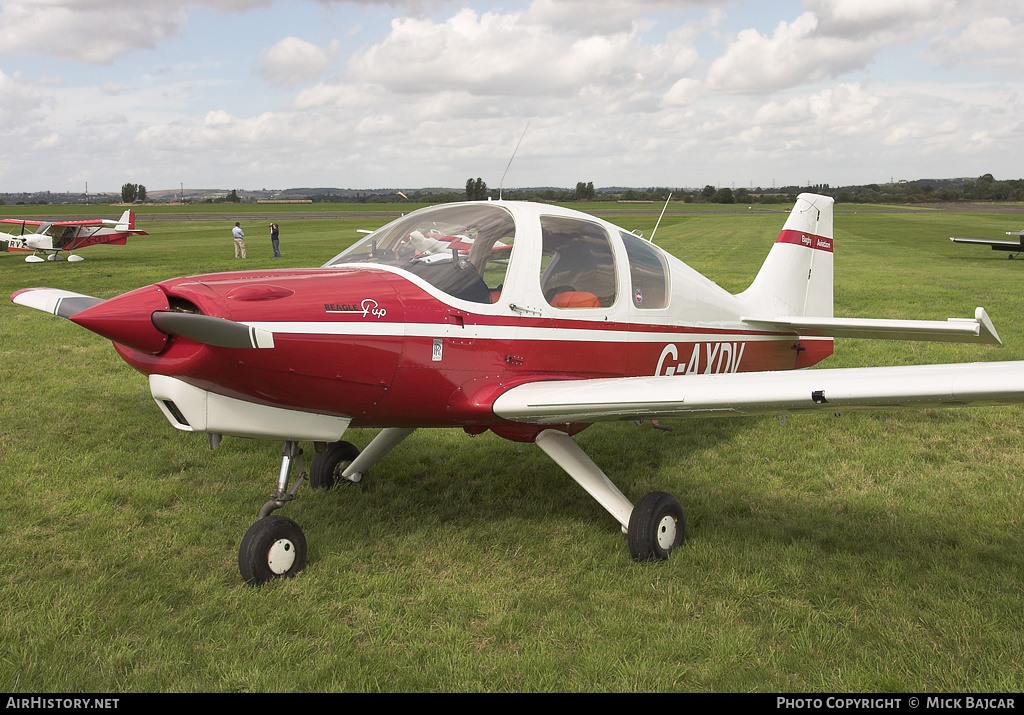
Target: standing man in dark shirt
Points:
(274, 240)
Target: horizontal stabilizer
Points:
(754, 393)
(978, 329)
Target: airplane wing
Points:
(962, 330)
(996, 245)
(83, 222)
(758, 393)
(22, 222)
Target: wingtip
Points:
(986, 328)
(23, 296)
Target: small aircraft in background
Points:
(547, 321)
(57, 236)
(1014, 247)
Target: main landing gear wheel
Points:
(273, 547)
(328, 465)
(656, 527)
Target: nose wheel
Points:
(273, 547)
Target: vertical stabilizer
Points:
(126, 222)
(796, 278)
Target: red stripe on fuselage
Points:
(808, 240)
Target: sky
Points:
(368, 94)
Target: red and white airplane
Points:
(57, 236)
(577, 321)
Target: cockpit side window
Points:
(647, 271)
(578, 265)
(461, 249)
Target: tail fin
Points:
(796, 278)
(127, 221)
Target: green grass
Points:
(873, 552)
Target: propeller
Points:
(142, 319)
(207, 329)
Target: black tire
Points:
(273, 547)
(328, 465)
(656, 527)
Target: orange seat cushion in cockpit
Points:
(575, 299)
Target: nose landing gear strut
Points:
(275, 547)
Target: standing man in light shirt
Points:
(239, 237)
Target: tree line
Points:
(983, 188)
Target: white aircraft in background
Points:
(57, 236)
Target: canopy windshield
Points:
(461, 249)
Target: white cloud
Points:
(796, 53)
(684, 91)
(21, 103)
(110, 118)
(218, 118)
(50, 141)
(293, 62)
(509, 55)
(987, 41)
(602, 16)
(871, 18)
(93, 32)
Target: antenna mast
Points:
(501, 183)
(659, 217)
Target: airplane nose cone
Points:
(127, 319)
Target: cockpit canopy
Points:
(465, 250)
(461, 249)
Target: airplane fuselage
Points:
(370, 345)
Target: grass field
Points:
(872, 552)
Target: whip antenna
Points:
(501, 183)
(659, 218)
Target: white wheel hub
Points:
(281, 556)
(666, 532)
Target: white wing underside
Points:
(755, 393)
